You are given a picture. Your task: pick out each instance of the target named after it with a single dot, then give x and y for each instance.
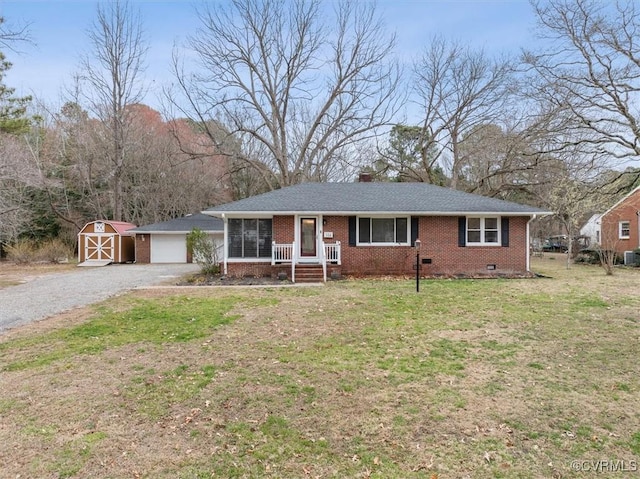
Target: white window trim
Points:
(620, 235)
(407, 243)
(482, 242)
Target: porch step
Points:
(309, 273)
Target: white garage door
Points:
(168, 249)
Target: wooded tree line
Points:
(269, 93)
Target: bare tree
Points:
(165, 182)
(508, 161)
(299, 84)
(567, 190)
(591, 73)
(67, 149)
(110, 79)
(17, 175)
(456, 89)
(606, 250)
(11, 35)
(160, 182)
(493, 162)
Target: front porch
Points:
(307, 269)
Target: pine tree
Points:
(13, 117)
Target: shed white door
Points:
(99, 248)
(168, 248)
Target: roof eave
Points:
(258, 214)
(621, 200)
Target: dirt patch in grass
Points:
(468, 378)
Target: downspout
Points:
(528, 245)
(638, 218)
(224, 245)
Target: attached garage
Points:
(168, 248)
(103, 242)
(166, 242)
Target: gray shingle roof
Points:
(346, 198)
(183, 224)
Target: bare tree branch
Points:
(456, 90)
(592, 71)
(112, 75)
(299, 87)
(10, 35)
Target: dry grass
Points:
(479, 379)
(12, 274)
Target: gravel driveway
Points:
(52, 294)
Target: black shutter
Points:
(462, 231)
(352, 230)
(414, 229)
(505, 230)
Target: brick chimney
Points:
(365, 178)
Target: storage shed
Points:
(102, 242)
(166, 242)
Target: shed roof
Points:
(183, 224)
(121, 227)
(353, 198)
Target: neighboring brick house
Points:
(368, 228)
(620, 225)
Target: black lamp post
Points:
(417, 246)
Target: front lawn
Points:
(531, 378)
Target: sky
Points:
(58, 29)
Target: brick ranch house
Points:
(315, 230)
(620, 225)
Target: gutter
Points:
(269, 214)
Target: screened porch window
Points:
(249, 238)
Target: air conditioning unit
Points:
(629, 257)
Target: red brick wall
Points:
(143, 248)
(283, 229)
(625, 211)
(256, 270)
(439, 238)
(368, 260)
